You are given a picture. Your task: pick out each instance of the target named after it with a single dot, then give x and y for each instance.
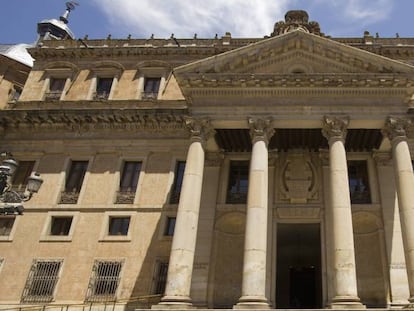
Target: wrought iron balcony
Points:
(125, 197)
(69, 197)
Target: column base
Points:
(252, 302)
(347, 302)
(174, 303)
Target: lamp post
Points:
(12, 201)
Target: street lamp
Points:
(12, 200)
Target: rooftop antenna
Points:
(70, 6)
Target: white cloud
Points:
(243, 18)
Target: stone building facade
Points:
(214, 173)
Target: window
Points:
(160, 278)
(169, 226)
(74, 182)
(151, 88)
(238, 182)
(56, 88)
(41, 282)
(60, 225)
(129, 182)
(104, 281)
(6, 225)
(23, 172)
(178, 181)
(15, 93)
(358, 182)
(118, 225)
(103, 88)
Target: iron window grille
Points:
(160, 278)
(104, 281)
(178, 182)
(60, 225)
(238, 182)
(74, 182)
(41, 281)
(129, 182)
(6, 225)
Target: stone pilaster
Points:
(343, 257)
(395, 129)
(254, 265)
(180, 268)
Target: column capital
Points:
(335, 128)
(382, 158)
(200, 129)
(260, 129)
(396, 128)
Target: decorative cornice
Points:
(396, 129)
(260, 129)
(335, 128)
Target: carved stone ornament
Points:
(200, 129)
(396, 128)
(296, 19)
(299, 179)
(260, 129)
(335, 128)
(382, 158)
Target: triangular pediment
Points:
(296, 52)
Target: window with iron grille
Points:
(104, 280)
(74, 182)
(21, 176)
(151, 88)
(42, 280)
(119, 225)
(160, 279)
(238, 182)
(178, 182)
(358, 182)
(103, 88)
(6, 225)
(129, 182)
(169, 226)
(60, 225)
(56, 87)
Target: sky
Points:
(184, 18)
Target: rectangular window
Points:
(56, 87)
(118, 225)
(169, 226)
(129, 182)
(74, 182)
(238, 182)
(6, 225)
(103, 88)
(359, 182)
(151, 88)
(160, 278)
(104, 281)
(60, 225)
(178, 181)
(23, 172)
(41, 282)
(15, 93)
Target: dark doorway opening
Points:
(298, 272)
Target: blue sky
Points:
(243, 18)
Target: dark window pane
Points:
(152, 85)
(6, 225)
(118, 225)
(57, 85)
(161, 278)
(238, 182)
(130, 176)
(103, 87)
(178, 181)
(170, 226)
(75, 177)
(60, 225)
(358, 182)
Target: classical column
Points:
(343, 257)
(395, 130)
(180, 268)
(254, 265)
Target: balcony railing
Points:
(125, 197)
(69, 197)
(101, 95)
(149, 95)
(53, 95)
